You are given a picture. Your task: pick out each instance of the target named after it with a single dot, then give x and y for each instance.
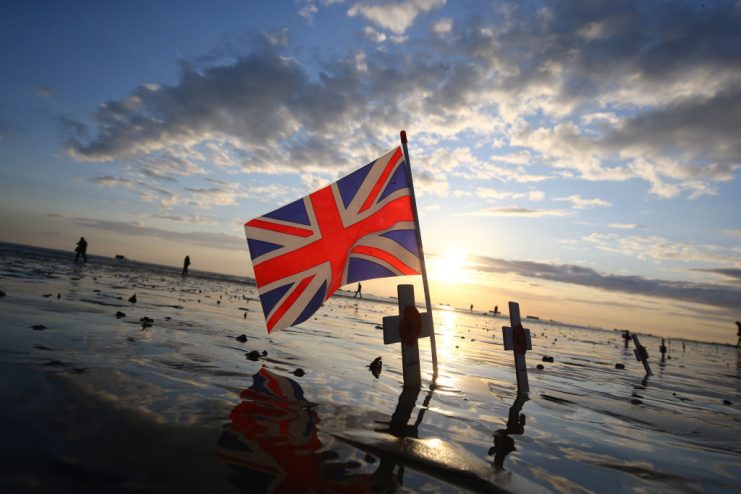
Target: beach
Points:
(161, 395)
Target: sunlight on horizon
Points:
(450, 266)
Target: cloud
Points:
(580, 203)
(205, 239)
(577, 91)
(197, 219)
(518, 211)
(699, 293)
(494, 194)
(732, 273)
(627, 226)
(394, 17)
(308, 11)
(653, 247)
(44, 91)
(443, 26)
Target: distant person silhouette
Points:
(496, 310)
(358, 291)
(186, 263)
(81, 249)
(626, 337)
(738, 325)
(471, 309)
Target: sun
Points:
(451, 267)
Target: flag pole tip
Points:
(403, 135)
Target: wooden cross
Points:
(402, 328)
(641, 354)
(517, 338)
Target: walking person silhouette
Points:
(81, 249)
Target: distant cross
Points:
(641, 354)
(517, 338)
(407, 328)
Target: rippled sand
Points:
(94, 403)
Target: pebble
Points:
(727, 402)
(38, 327)
(547, 359)
(254, 355)
(298, 372)
(146, 322)
(241, 338)
(539, 367)
(47, 295)
(120, 314)
(636, 401)
(620, 366)
(132, 299)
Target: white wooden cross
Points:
(509, 344)
(391, 334)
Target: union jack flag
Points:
(358, 228)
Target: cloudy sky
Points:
(582, 158)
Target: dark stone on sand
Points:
(539, 367)
(131, 339)
(636, 401)
(168, 318)
(146, 322)
(376, 366)
(47, 295)
(218, 302)
(241, 338)
(727, 402)
(378, 326)
(38, 327)
(298, 372)
(254, 355)
(120, 314)
(264, 353)
(620, 366)
(132, 299)
(59, 295)
(547, 359)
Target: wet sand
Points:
(93, 402)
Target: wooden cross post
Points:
(641, 354)
(407, 328)
(517, 338)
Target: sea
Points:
(182, 389)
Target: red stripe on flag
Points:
(381, 181)
(384, 256)
(275, 227)
(296, 293)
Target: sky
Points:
(580, 158)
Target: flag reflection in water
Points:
(271, 443)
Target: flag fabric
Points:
(358, 228)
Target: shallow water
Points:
(94, 402)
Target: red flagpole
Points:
(433, 346)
